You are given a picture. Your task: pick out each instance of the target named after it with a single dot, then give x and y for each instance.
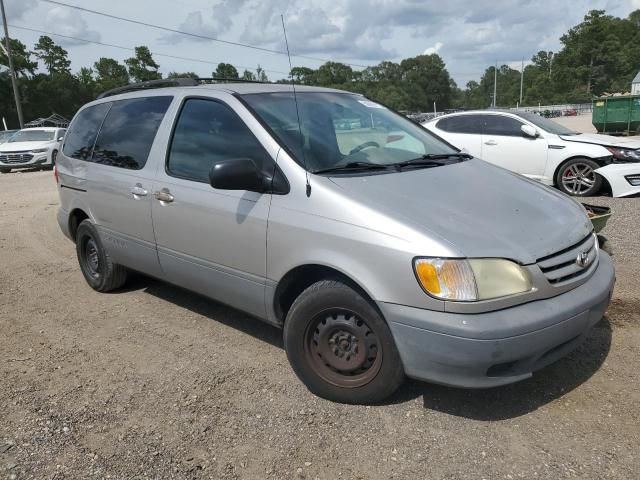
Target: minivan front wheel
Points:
(340, 346)
(95, 263)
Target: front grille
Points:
(570, 263)
(15, 157)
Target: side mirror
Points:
(237, 174)
(60, 138)
(528, 131)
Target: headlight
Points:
(39, 150)
(625, 154)
(470, 280)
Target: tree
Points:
(226, 70)
(427, 81)
(261, 75)
(110, 74)
(333, 73)
(142, 67)
(55, 57)
(247, 75)
(303, 75)
(21, 57)
(182, 75)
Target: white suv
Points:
(31, 147)
(546, 151)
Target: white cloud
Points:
(70, 23)
(435, 49)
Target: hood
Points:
(608, 140)
(483, 210)
(24, 146)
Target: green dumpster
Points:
(617, 114)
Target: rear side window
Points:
(502, 125)
(461, 124)
(129, 130)
(206, 132)
(81, 136)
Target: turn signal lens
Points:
(448, 279)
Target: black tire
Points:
(54, 156)
(99, 271)
(577, 177)
(360, 364)
(5, 170)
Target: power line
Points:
(194, 35)
(133, 49)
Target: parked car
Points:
(6, 135)
(394, 255)
(31, 147)
(541, 149)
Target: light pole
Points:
(521, 80)
(12, 72)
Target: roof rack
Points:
(165, 82)
(172, 82)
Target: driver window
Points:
(208, 131)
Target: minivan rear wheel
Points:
(97, 267)
(340, 346)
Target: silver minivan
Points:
(380, 249)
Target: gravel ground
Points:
(156, 382)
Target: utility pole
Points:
(521, 80)
(12, 72)
(495, 84)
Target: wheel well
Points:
(299, 279)
(75, 218)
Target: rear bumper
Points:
(429, 353)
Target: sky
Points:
(468, 35)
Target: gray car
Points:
(380, 249)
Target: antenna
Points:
(295, 99)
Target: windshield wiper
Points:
(351, 166)
(430, 160)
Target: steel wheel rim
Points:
(91, 258)
(578, 178)
(342, 349)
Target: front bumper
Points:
(453, 349)
(619, 176)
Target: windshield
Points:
(32, 136)
(6, 135)
(546, 124)
(341, 128)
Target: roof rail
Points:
(165, 82)
(172, 82)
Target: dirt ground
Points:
(156, 382)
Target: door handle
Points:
(164, 196)
(490, 142)
(139, 191)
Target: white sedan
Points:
(576, 163)
(31, 147)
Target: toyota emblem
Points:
(583, 259)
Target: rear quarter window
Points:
(129, 130)
(81, 136)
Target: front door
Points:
(211, 241)
(504, 145)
